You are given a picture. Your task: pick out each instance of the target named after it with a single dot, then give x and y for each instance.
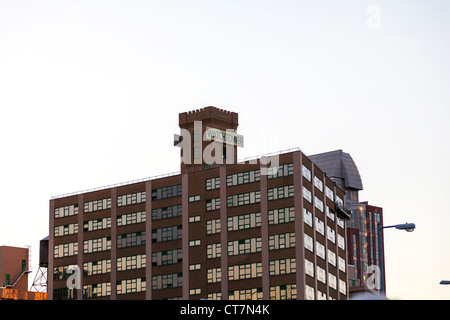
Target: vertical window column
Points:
(148, 240)
(185, 238)
(223, 233)
(80, 241)
(264, 235)
(113, 243)
(299, 225)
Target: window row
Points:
(66, 211)
(280, 192)
(131, 285)
(97, 205)
(243, 199)
(132, 198)
(167, 234)
(167, 192)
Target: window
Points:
(213, 251)
(309, 293)
(131, 262)
(131, 285)
(244, 246)
(331, 258)
(167, 234)
(307, 194)
(282, 266)
(97, 205)
(245, 271)
(66, 211)
(329, 193)
(97, 224)
(131, 218)
(246, 294)
(167, 212)
(193, 267)
(243, 199)
(244, 221)
(212, 183)
(167, 192)
(341, 262)
(332, 281)
(309, 268)
(243, 177)
(195, 291)
(97, 245)
(66, 250)
(282, 241)
(194, 219)
(132, 198)
(281, 215)
(212, 204)
(97, 290)
(308, 243)
(97, 267)
(318, 183)
(280, 192)
(130, 239)
(320, 250)
(320, 226)
(342, 287)
(321, 274)
(212, 226)
(163, 258)
(307, 217)
(330, 213)
(66, 229)
(318, 203)
(331, 234)
(306, 173)
(194, 243)
(341, 242)
(194, 198)
(283, 292)
(280, 171)
(166, 281)
(214, 275)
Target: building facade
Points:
(14, 270)
(218, 229)
(365, 238)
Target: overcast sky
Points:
(90, 93)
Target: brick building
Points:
(268, 228)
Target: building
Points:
(268, 228)
(14, 270)
(365, 242)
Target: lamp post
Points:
(408, 227)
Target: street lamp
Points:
(408, 227)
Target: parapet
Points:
(222, 117)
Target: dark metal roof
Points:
(338, 164)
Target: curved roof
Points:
(338, 164)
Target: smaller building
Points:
(365, 240)
(14, 270)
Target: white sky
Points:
(90, 93)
